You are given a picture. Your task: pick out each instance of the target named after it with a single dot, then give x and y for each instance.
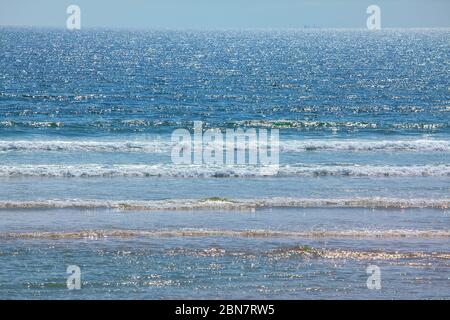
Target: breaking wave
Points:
(83, 146)
(158, 146)
(94, 234)
(366, 145)
(224, 171)
(227, 204)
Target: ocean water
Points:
(87, 178)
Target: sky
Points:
(226, 14)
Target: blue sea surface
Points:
(87, 178)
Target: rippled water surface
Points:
(86, 176)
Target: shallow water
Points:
(282, 253)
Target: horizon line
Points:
(116, 28)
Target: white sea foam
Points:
(366, 145)
(258, 233)
(160, 146)
(221, 171)
(366, 170)
(84, 146)
(227, 204)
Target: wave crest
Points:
(228, 204)
(159, 146)
(95, 234)
(224, 171)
